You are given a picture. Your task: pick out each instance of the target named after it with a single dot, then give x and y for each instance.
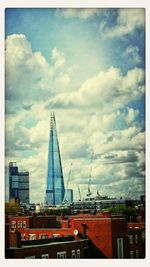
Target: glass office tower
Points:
(55, 183)
(24, 187)
(18, 184)
(13, 181)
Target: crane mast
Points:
(89, 193)
(79, 193)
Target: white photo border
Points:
(73, 4)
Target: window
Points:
(78, 253)
(56, 235)
(120, 248)
(131, 254)
(13, 224)
(45, 256)
(43, 236)
(136, 239)
(15, 185)
(61, 255)
(14, 178)
(73, 254)
(131, 239)
(32, 236)
(23, 237)
(137, 253)
(30, 257)
(24, 224)
(19, 224)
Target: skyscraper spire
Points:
(55, 183)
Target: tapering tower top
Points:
(52, 120)
(55, 182)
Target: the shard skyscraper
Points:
(55, 183)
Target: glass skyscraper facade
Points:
(24, 187)
(13, 181)
(55, 183)
(18, 184)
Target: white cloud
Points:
(23, 67)
(131, 115)
(108, 90)
(128, 20)
(29, 76)
(57, 58)
(80, 13)
(132, 54)
(63, 80)
(103, 121)
(127, 139)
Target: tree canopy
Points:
(12, 208)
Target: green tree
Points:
(128, 212)
(12, 208)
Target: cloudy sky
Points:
(86, 65)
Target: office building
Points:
(18, 184)
(13, 181)
(55, 182)
(24, 187)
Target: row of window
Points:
(21, 224)
(60, 255)
(76, 254)
(131, 240)
(134, 254)
(41, 236)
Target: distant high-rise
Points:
(55, 182)
(69, 196)
(24, 187)
(18, 184)
(13, 181)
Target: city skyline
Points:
(87, 65)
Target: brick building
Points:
(56, 248)
(108, 235)
(136, 240)
(22, 222)
(107, 232)
(37, 227)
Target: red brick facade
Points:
(103, 230)
(108, 234)
(37, 226)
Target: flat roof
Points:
(49, 244)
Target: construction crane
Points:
(89, 193)
(65, 199)
(79, 193)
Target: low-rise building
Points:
(108, 235)
(56, 248)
